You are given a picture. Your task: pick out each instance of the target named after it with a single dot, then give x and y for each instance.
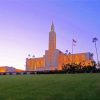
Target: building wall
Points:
(56, 59)
(84, 59)
(3, 69)
(34, 63)
(51, 59)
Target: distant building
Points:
(54, 58)
(7, 69)
(4, 69)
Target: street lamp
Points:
(94, 40)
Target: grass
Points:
(50, 87)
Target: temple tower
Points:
(52, 53)
(52, 38)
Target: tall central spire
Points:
(52, 27)
(52, 38)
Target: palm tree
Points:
(66, 51)
(33, 56)
(29, 55)
(94, 40)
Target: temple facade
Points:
(54, 58)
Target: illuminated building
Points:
(5, 69)
(54, 58)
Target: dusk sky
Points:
(25, 26)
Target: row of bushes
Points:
(78, 68)
(70, 70)
(67, 68)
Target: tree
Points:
(29, 55)
(94, 40)
(66, 52)
(33, 56)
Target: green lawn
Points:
(50, 87)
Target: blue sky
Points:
(25, 26)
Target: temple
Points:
(54, 58)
